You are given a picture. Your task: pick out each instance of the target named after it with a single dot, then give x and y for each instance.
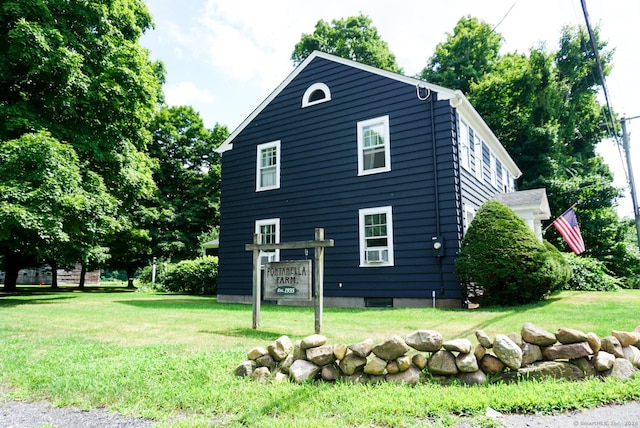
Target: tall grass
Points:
(171, 358)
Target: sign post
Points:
(288, 275)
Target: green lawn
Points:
(171, 357)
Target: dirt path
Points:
(15, 414)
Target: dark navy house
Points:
(393, 168)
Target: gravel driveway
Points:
(14, 414)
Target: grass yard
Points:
(171, 358)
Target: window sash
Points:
(268, 166)
(376, 237)
(374, 154)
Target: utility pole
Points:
(627, 153)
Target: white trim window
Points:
(374, 152)
(269, 230)
(478, 153)
(376, 237)
(465, 149)
(469, 214)
(268, 166)
(316, 94)
(493, 169)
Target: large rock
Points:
(298, 352)
(424, 340)
(419, 360)
(554, 369)
(515, 338)
(330, 373)
(392, 367)
(570, 335)
(261, 375)
(245, 368)
(375, 366)
(466, 363)
(302, 370)
(256, 352)
(490, 364)
(362, 349)
(585, 365)
(484, 339)
(339, 350)
(537, 335)
(321, 355)
(632, 354)
(530, 354)
(567, 352)
(266, 361)
(442, 362)
(391, 348)
(285, 364)
(472, 378)
(458, 345)
(280, 348)
(351, 363)
(622, 369)
(507, 351)
(410, 376)
(603, 361)
(312, 341)
(594, 342)
(404, 362)
(626, 338)
(612, 345)
(480, 351)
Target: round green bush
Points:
(501, 256)
(197, 276)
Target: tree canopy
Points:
(76, 70)
(187, 176)
(543, 106)
(352, 38)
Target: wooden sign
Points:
(288, 280)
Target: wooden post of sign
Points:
(318, 276)
(257, 291)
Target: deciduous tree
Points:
(352, 38)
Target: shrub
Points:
(502, 256)
(590, 275)
(198, 276)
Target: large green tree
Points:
(465, 57)
(187, 176)
(543, 106)
(352, 38)
(50, 208)
(75, 68)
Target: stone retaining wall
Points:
(424, 354)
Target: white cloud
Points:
(187, 93)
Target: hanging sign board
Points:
(288, 280)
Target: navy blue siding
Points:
(320, 186)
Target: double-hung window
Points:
(269, 230)
(374, 153)
(465, 149)
(376, 237)
(268, 166)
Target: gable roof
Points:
(456, 99)
(533, 200)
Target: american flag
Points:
(567, 225)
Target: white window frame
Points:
(493, 168)
(463, 144)
(384, 122)
(306, 98)
(469, 214)
(364, 260)
(271, 255)
(259, 167)
(478, 153)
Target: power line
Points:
(505, 16)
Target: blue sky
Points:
(224, 57)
